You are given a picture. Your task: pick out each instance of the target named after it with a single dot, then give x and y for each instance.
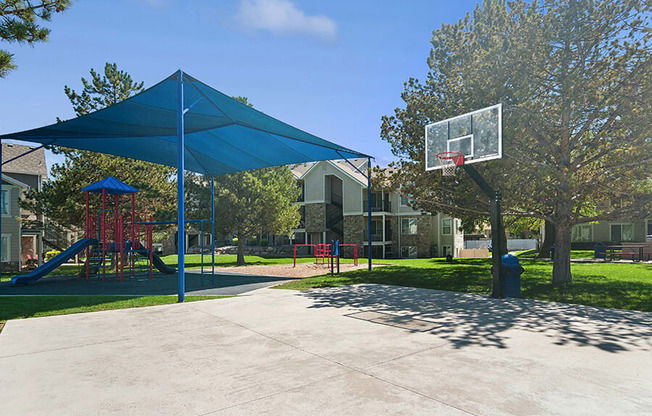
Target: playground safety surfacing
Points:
(222, 284)
(356, 350)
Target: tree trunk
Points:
(561, 272)
(503, 238)
(240, 259)
(548, 240)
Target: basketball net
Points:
(449, 161)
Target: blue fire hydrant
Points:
(512, 270)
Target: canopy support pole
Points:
(368, 176)
(213, 229)
(181, 234)
(369, 210)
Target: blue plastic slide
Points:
(49, 266)
(156, 261)
(161, 266)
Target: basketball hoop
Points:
(449, 161)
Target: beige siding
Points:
(601, 232)
(10, 224)
(403, 208)
(352, 195)
(639, 230)
(458, 237)
(314, 185)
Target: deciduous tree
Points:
(573, 76)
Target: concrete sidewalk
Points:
(361, 350)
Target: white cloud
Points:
(283, 17)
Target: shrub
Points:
(253, 241)
(52, 254)
(264, 242)
(235, 241)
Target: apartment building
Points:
(623, 231)
(334, 206)
(22, 242)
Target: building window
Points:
(4, 203)
(405, 200)
(446, 250)
(582, 233)
(408, 226)
(622, 232)
(408, 252)
(5, 253)
(649, 229)
(446, 226)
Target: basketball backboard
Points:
(478, 135)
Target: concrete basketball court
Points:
(360, 350)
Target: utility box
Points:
(512, 270)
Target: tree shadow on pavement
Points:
(467, 319)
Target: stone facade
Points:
(427, 235)
(9, 266)
(315, 217)
(354, 229)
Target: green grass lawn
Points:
(17, 307)
(575, 254)
(621, 285)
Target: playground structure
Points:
(214, 135)
(118, 241)
(119, 245)
(328, 254)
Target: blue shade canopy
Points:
(222, 135)
(111, 185)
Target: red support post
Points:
(89, 233)
(122, 265)
(115, 235)
(103, 233)
(133, 218)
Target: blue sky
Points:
(332, 68)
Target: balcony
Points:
(374, 237)
(383, 206)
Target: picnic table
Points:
(636, 251)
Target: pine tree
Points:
(19, 23)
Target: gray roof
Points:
(32, 163)
(299, 170)
(361, 163)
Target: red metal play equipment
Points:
(119, 245)
(324, 253)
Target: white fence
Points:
(512, 244)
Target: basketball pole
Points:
(496, 228)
